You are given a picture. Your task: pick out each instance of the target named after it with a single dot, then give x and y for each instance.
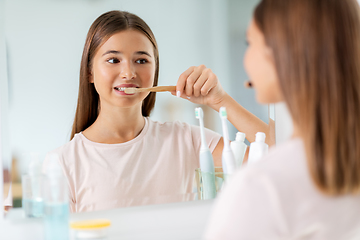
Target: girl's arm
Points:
(201, 86)
(245, 121)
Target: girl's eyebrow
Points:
(111, 52)
(118, 52)
(143, 52)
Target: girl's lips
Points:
(127, 85)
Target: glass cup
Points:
(32, 201)
(220, 177)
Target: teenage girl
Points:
(117, 155)
(306, 53)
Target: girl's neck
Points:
(116, 125)
(296, 131)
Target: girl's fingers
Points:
(204, 77)
(180, 86)
(195, 81)
(183, 95)
(192, 78)
(209, 84)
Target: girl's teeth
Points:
(120, 89)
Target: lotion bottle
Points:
(258, 148)
(239, 148)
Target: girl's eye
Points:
(141, 61)
(113, 60)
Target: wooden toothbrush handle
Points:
(158, 89)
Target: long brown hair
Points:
(316, 50)
(100, 31)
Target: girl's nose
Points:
(127, 71)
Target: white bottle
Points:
(56, 210)
(258, 148)
(239, 148)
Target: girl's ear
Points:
(91, 78)
(269, 53)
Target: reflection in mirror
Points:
(45, 48)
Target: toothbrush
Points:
(130, 90)
(228, 158)
(206, 161)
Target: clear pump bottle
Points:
(32, 201)
(56, 209)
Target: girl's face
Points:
(126, 59)
(260, 67)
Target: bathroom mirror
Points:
(44, 43)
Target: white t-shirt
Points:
(157, 166)
(276, 199)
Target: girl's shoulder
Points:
(283, 167)
(67, 147)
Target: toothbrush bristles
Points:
(223, 112)
(198, 112)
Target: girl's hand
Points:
(201, 86)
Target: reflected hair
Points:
(316, 51)
(101, 30)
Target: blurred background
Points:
(44, 40)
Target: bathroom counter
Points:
(183, 220)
